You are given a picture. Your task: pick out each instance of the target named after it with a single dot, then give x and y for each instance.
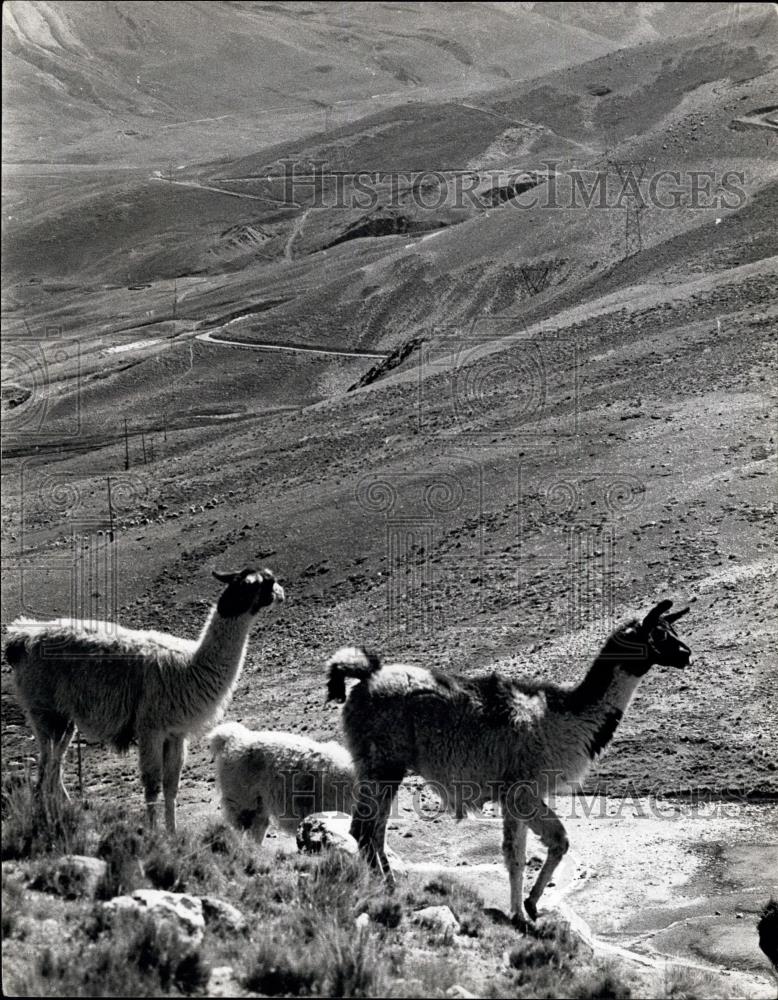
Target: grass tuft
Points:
(32, 825)
(117, 955)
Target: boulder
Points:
(457, 992)
(437, 918)
(222, 916)
(223, 983)
(326, 831)
(330, 831)
(182, 911)
(75, 876)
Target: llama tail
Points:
(349, 661)
(226, 737)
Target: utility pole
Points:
(110, 512)
(630, 174)
(633, 238)
(537, 276)
(126, 448)
(143, 446)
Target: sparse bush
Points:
(350, 963)
(531, 952)
(162, 871)
(121, 847)
(126, 957)
(330, 883)
(466, 905)
(32, 826)
(337, 961)
(385, 911)
(220, 838)
(439, 887)
(552, 963)
(282, 971)
(683, 983)
(601, 984)
(13, 900)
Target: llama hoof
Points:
(531, 909)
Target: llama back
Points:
(84, 672)
(456, 732)
(226, 738)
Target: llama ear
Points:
(654, 614)
(224, 577)
(677, 614)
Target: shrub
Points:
(336, 961)
(131, 957)
(282, 970)
(385, 911)
(33, 826)
(601, 984)
(121, 847)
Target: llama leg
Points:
(45, 746)
(373, 803)
(514, 852)
(59, 749)
(53, 733)
(387, 791)
(173, 756)
(259, 826)
(150, 755)
(547, 825)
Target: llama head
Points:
(638, 645)
(658, 633)
(247, 592)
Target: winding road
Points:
(210, 337)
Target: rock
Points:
(184, 912)
(362, 921)
(223, 983)
(460, 993)
(437, 918)
(222, 916)
(16, 871)
(76, 876)
(326, 830)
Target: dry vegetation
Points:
(304, 936)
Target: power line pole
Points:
(537, 276)
(630, 174)
(633, 238)
(110, 512)
(126, 448)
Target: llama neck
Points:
(598, 704)
(612, 679)
(221, 650)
